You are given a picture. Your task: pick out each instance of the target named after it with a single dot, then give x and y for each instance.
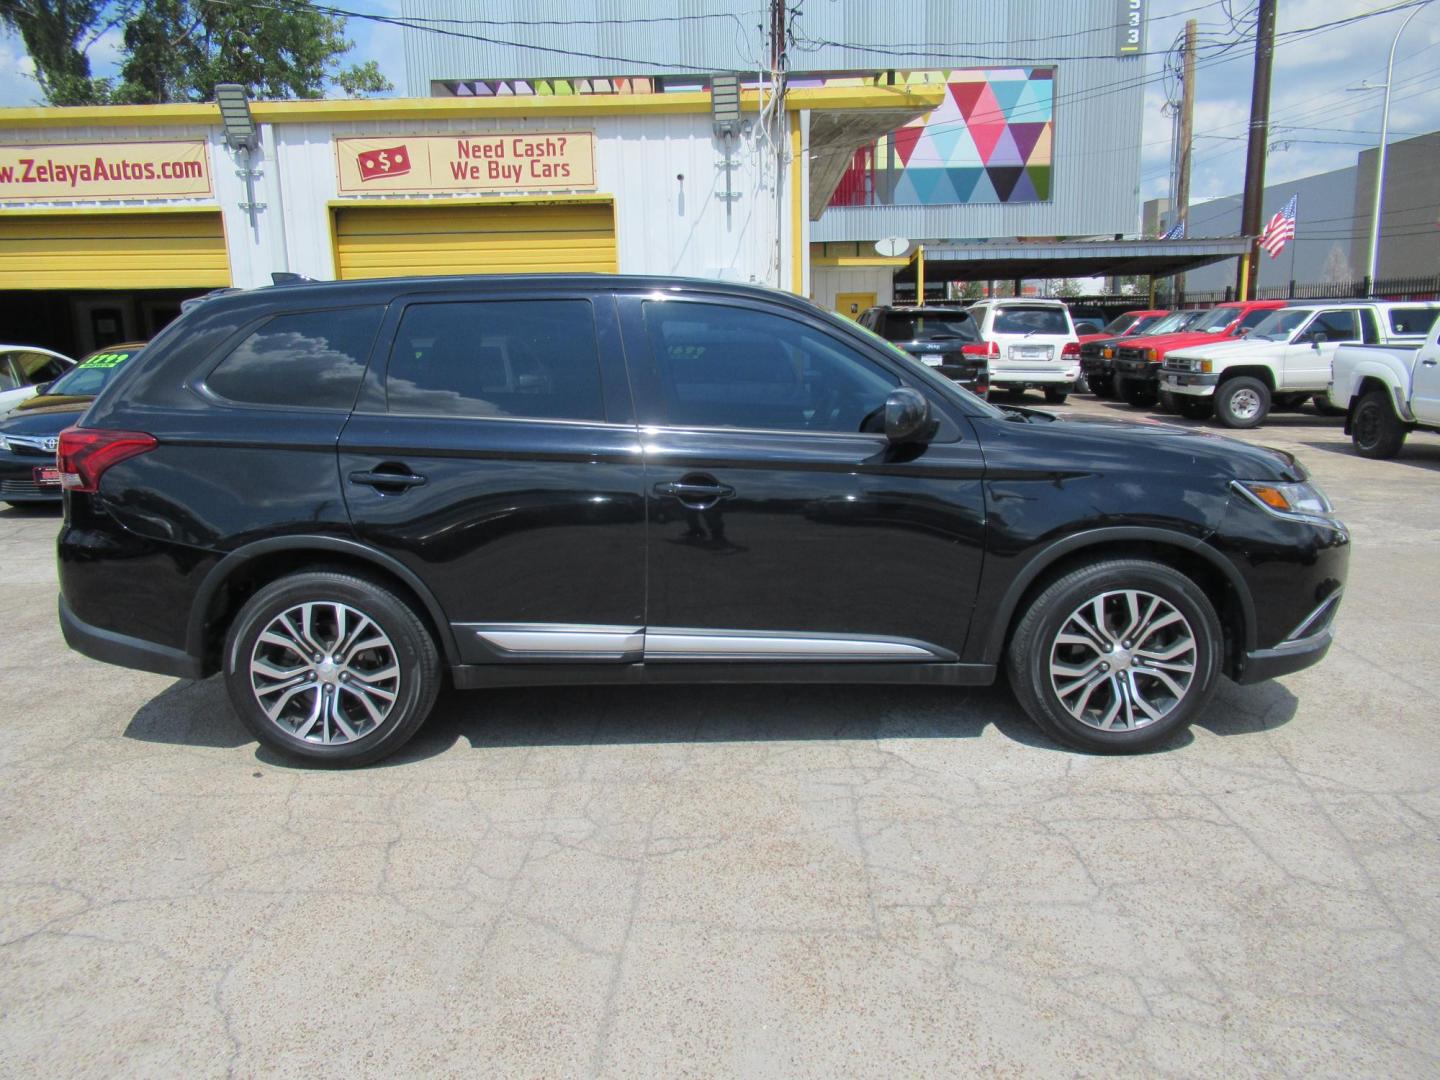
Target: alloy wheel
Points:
(1123, 660)
(1245, 404)
(324, 672)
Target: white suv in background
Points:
(1037, 345)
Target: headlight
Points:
(1152, 355)
(1305, 501)
(1107, 353)
(5, 445)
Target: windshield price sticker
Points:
(106, 359)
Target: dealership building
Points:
(592, 147)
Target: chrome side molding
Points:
(566, 641)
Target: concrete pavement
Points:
(750, 881)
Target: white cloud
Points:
(17, 72)
(1320, 124)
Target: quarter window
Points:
(731, 367)
(313, 360)
(1412, 320)
(533, 359)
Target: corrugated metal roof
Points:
(1098, 111)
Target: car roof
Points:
(32, 348)
(1325, 301)
(949, 309)
(131, 345)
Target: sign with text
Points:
(1131, 27)
(419, 164)
(119, 170)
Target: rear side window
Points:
(531, 359)
(1031, 320)
(38, 367)
(1335, 326)
(311, 361)
(1412, 320)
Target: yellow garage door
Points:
(395, 241)
(112, 250)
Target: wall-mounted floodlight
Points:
(240, 130)
(725, 104)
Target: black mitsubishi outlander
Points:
(340, 495)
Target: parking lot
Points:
(797, 881)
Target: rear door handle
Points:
(399, 481)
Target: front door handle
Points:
(386, 481)
(1428, 363)
(696, 492)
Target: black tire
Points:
(1242, 402)
(1165, 402)
(1081, 385)
(1028, 658)
(1102, 386)
(1056, 395)
(1193, 408)
(1375, 430)
(1135, 394)
(416, 662)
(1324, 408)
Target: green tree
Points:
(57, 34)
(177, 50)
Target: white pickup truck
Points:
(1284, 359)
(1387, 393)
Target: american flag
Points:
(1177, 231)
(1280, 229)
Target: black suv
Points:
(337, 494)
(944, 338)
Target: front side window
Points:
(1253, 319)
(1335, 326)
(312, 360)
(730, 367)
(529, 359)
(1279, 325)
(1031, 320)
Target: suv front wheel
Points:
(331, 668)
(1116, 657)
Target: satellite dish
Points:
(892, 246)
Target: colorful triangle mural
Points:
(990, 140)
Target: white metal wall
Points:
(662, 171)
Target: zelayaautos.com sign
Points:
(104, 171)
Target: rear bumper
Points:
(123, 650)
(1067, 373)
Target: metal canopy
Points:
(1093, 258)
(835, 135)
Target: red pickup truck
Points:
(1137, 366)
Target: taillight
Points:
(85, 453)
(986, 349)
(1071, 349)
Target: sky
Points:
(1316, 123)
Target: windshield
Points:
(1169, 323)
(929, 326)
(1031, 320)
(1279, 325)
(88, 378)
(1215, 320)
(1116, 327)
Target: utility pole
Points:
(1255, 156)
(1187, 127)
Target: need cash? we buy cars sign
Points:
(420, 164)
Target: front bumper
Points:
(1143, 372)
(1307, 644)
(17, 479)
(1192, 383)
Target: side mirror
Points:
(1316, 337)
(907, 416)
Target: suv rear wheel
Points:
(331, 668)
(1116, 657)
